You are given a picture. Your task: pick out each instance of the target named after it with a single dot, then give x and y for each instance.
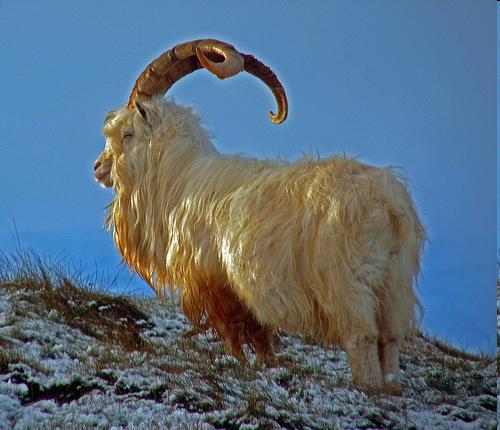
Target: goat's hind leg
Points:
(389, 344)
(389, 363)
(364, 359)
(361, 342)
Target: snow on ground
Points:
(90, 366)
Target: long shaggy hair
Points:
(327, 247)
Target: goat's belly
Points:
(277, 308)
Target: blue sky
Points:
(410, 84)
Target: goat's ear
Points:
(142, 110)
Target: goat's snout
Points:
(102, 172)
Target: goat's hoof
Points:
(393, 388)
(268, 359)
(392, 385)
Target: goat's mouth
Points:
(102, 173)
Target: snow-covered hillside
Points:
(75, 359)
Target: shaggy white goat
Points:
(328, 248)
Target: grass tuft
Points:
(76, 300)
(7, 357)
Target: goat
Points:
(329, 248)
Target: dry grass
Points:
(452, 351)
(7, 357)
(51, 288)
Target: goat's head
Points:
(124, 127)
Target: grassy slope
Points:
(74, 357)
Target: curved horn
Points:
(232, 64)
(266, 75)
(218, 57)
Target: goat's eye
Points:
(127, 135)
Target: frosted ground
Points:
(71, 358)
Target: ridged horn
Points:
(266, 75)
(220, 58)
